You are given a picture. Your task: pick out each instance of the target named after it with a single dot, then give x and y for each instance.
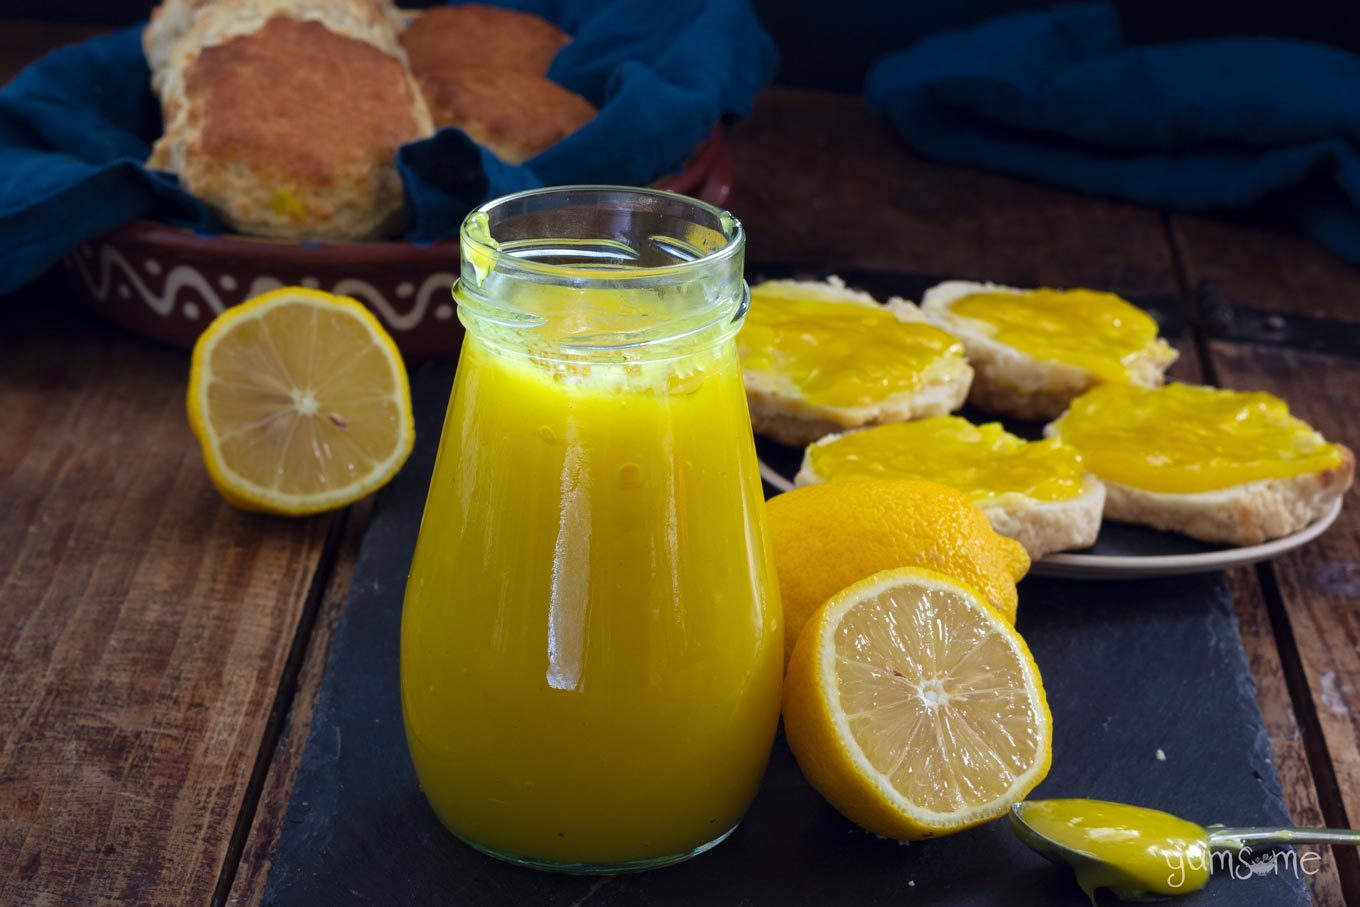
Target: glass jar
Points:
(591, 647)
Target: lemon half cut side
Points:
(300, 402)
(915, 708)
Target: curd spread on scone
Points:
(1095, 331)
(1185, 438)
(842, 355)
(985, 462)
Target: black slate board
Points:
(1130, 667)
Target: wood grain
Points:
(1319, 584)
(1275, 698)
(821, 180)
(143, 622)
(1315, 588)
(253, 872)
(1268, 267)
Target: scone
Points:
(1034, 351)
(170, 51)
(1036, 492)
(172, 19)
(168, 23)
(1216, 465)
(292, 131)
(819, 358)
(474, 34)
(513, 114)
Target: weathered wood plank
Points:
(1269, 267)
(1319, 583)
(1277, 708)
(253, 872)
(143, 622)
(1277, 271)
(821, 180)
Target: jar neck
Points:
(601, 274)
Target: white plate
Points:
(1075, 565)
(1136, 552)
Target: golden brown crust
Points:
(513, 114)
(213, 23)
(293, 130)
(473, 34)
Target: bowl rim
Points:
(713, 153)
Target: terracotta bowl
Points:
(168, 282)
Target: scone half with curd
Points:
(1036, 492)
(1218, 465)
(818, 357)
(1034, 351)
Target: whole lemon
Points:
(828, 536)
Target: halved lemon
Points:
(300, 401)
(914, 707)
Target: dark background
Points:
(830, 43)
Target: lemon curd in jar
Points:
(1095, 331)
(1185, 438)
(591, 638)
(985, 462)
(842, 354)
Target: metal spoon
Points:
(1093, 873)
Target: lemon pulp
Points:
(1185, 438)
(914, 707)
(985, 462)
(1143, 851)
(928, 691)
(300, 402)
(1098, 332)
(839, 354)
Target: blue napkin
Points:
(76, 126)
(1204, 125)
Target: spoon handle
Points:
(1221, 838)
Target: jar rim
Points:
(731, 230)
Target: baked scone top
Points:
(265, 141)
(261, 110)
(474, 34)
(474, 98)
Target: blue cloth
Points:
(76, 126)
(1198, 126)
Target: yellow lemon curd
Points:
(842, 354)
(985, 462)
(1134, 850)
(591, 639)
(1098, 332)
(1185, 438)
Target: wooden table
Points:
(160, 651)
